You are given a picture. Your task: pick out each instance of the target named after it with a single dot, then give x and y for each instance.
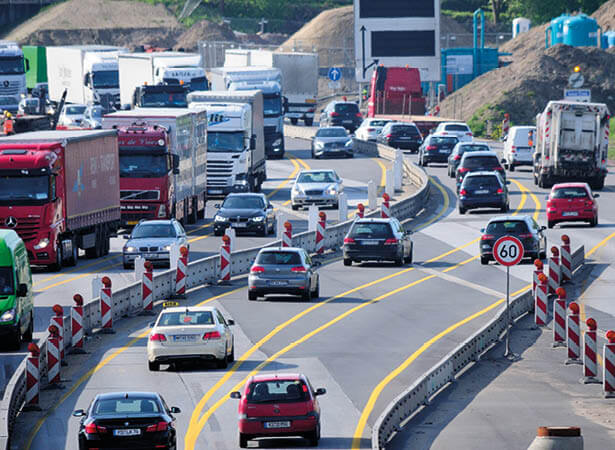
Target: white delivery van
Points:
(518, 149)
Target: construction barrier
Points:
(560, 438)
(506, 124)
(320, 232)
(182, 271)
(573, 334)
(147, 287)
(76, 321)
(566, 259)
(287, 237)
(360, 210)
(538, 269)
(58, 321)
(541, 301)
(559, 318)
(53, 356)
(33, 378)
(590, 353)
(385, 211)
(225, 260)
(608, 366)
(555, 276)
(106, 304)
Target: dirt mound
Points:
(605, 15)
(204, 31)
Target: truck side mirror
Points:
(253, 142)
(22, 290)
(27, 65)
(285, 104)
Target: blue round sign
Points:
(335, 74)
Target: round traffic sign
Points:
(508, 251)
(334, 74)
(576, 80)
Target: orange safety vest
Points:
(8, 126)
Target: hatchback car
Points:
(370, 129)
(245, 213)
(284, 270)
(483, 190)
(93, 117)
(275, 405)
(152, 240)
(405, 136)
(332, 141)
(316, 187)
(136, 420)
(523, 228)
(478, 162)
(377, 240)
(459, 129)
(519, 147)
(436, 149)
(72, 115)
(341, 113)
(572, 202)
(190, 333)
(459, 150)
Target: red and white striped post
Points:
(505, 124)
(320, 232)
(537, 271)
(225, 260)
(58, 320)
(541, 301)
(573, 334)
(287, 236)
(608, 366)
(360, 211)
(33, 379)
(566, 259)
(559, 318)
(590, 353)
(147, 288)
(53, 357)
(181, 272)
(76, 325)
(385, 212)
(106, 313)
(555, 276)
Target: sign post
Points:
(508, 251)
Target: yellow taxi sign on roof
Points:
(170, 304)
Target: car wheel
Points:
(265, 231)
(218, 233)
(511, 167)
(308, 122)
(294, 207)
(243, 440)
(484, 260)
(408, 260)
(593, 222)
(294, 121)
(222, 363)
(550, 224)
(542, 254)
(231, 358)
(127, 266)
(316, 291)
(55, 267)
(153, 366)
(313, 436)
(307, 296)
(462, 210)
(347, 262)
(28, 336)
(252, 296)
(400, 261)
(504, 208)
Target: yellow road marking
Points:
(383, 172)
(207, 225)
(75, 269)
(291, 177)
(524, 192)
(78, 277)
(523, 197)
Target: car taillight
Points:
(468, 134)
(457, 158)
(500, 191)
(160, 426)
(311, 110)
(211, 335)
(546, 156)
(431, 147)
(257, 269)
(391, 241)
(371, 129)
(499, 169)
(589, 203)
(298, 269)
(525, 235)
(463, 192)
(463, 170)
(349, 241)
(158, 337)
(334, 114)
(486, 237)
(92, 428)
(389, 136)
(359, 114)
(443, 132)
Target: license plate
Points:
(127, 432)
(570, 213)
(215, 191)
(370, 242)
(347, 121)
(278, 283)
(132, 222)
(281, 424)
(239, 225)
(482, 191)
(150, 255)
(184, 337)
(444, 151)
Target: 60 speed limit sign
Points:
(508, 251)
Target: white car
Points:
(370, 128)
(72, 115)
(189, 333)
(518, 150)
(321, 187)
(459, 129)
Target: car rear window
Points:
(378, 123)
(279, 258)
(331, 132)
(506, 227)
(346, 108)
(487, 181)
(473, 148)
(126, 406)
(186, 318)
(456, 127)
(569, 192)
(477, 162)
(277, 391)
(405, 129)
(441, 140)
(371, 230)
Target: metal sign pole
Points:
(507, 352)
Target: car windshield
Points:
(126, 406)
(96, 112)
(35, 188)
(347, 108)
(72, 110)
(198, 84)
(247, 202)
(507, 227)
(455, 127)
(371, 230)
(473, 148)
(106, 79)
(331, 132)
(441, 140)
(158, 230)
(143, 166)
(279, 258)
(570, 192)
(186, 318)
(225, 141)
(317, 177)
(6, 281)
(481, 161)
(156, 99)
(277, 391)
(487, 181)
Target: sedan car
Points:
(245, 213)
(283, 270)
(332, 141)
(93, 117)
(436, 149)
(523, 228)
(405, 136)
(72, 115)
(316, 187)
(152, 240)
(341, 113)
(459, 129)
(136, 420)
(483, 190)
(190, 333)
(275, 405)
(459, 150)
(370, 129)
(572, 202)
(478, 162)
(377, 240)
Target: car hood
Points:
(319, 186)
(234, 212)
(151, 242)
(325, 140)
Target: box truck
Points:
(12, 76)
(36, 57)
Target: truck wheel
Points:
(55, 267)
(511, 167)
(28, 336)
(598, 184)
(308, 122)
(16, 339)
(294, 120)
(72, 261)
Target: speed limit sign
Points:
(508, 251)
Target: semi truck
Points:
(12, 75)
(36, 57)
(59, 190)
(235, 140)
(187, 131)
(572, 140)
(267, 80)
(159, 68)
(395, 90)
(160, 96)
(299, 77)
(88, 72)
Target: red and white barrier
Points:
(360, 211)
(225, 260)
(320, 232)
(506, 124)
(541, 301)
(537, 271)
(181, 272)
(106, 313)
(608, 365)
(58, 321)
(287, 237)
(573, 334)
(559, 318)
(33, 378)
(555, 276)
(590, 353)
(147, 287)
(53, 356)
(385, 211)
(566, 259)
(76, 324)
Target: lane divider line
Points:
(67, 272)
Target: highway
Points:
(373, 331)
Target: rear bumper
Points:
(376, 254)
(405, 145)
(255, 426)
(168, 354)
(559, 216)
(435, 157)
(486, 202)
(262, 286)
(223, 191)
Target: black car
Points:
(245, 212)
(483, 190)
(478, 162)
(523, 228)
(377, 240)
(135, 420)
(459, 150)
(436, 149)
(405, 136)
(345, 114)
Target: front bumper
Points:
(249, 226)
(255, 426)
(9, 328)
(334, 151)
(156, 258)
(320, 200)
(171, 353)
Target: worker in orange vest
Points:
(8, 124)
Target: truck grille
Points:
(136, 217)
(26, 228)
(270, 130)
(139, 195)
(219, 173)
(9, 88)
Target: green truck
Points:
(16, 296)
(37, 65)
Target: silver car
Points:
(283, 270)
(332, 141)
(152, 240)
(316, 187)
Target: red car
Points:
(278, 405)
(572, 202)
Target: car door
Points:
(311, 270)
(227, 332)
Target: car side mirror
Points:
(596, 195)
(175, 410)
(79, 413)
(151, 324)
(320, 391)
(253, 142)
(175, 171)
(507, 182)
(175, 159)
(230, 321)
(503, 161)
(217, 205)
(482, 230)
(235, 395)
(317, 263)
(543, 228)
(546, 197)
(22, 290)
(126, 236)
(270, 206)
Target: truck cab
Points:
(160, 96)
(395, 90)
(193, 78)
(101, 79)
(12, 75)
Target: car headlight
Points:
(332, 190)
(297, 189)
(319, 145)
(258, 219)
(42, 244)
(129, 249)
(167, 248)
(8, 316)
(219, 218)
(241, 182)
(277, 142)
(348, 143)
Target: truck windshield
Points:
(6, 281)
(218, 141)
(158, 99)
(19, 189)
(143, 166)
(199, 84)
(106, 79)
(272, 105)
(12, 65)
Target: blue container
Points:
(608, 39)
(556, 30)
(581, 31)
(604, 42)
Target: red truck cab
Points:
(395, 90)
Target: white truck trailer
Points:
(12, 76)
(572, 140)
(235, 140)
